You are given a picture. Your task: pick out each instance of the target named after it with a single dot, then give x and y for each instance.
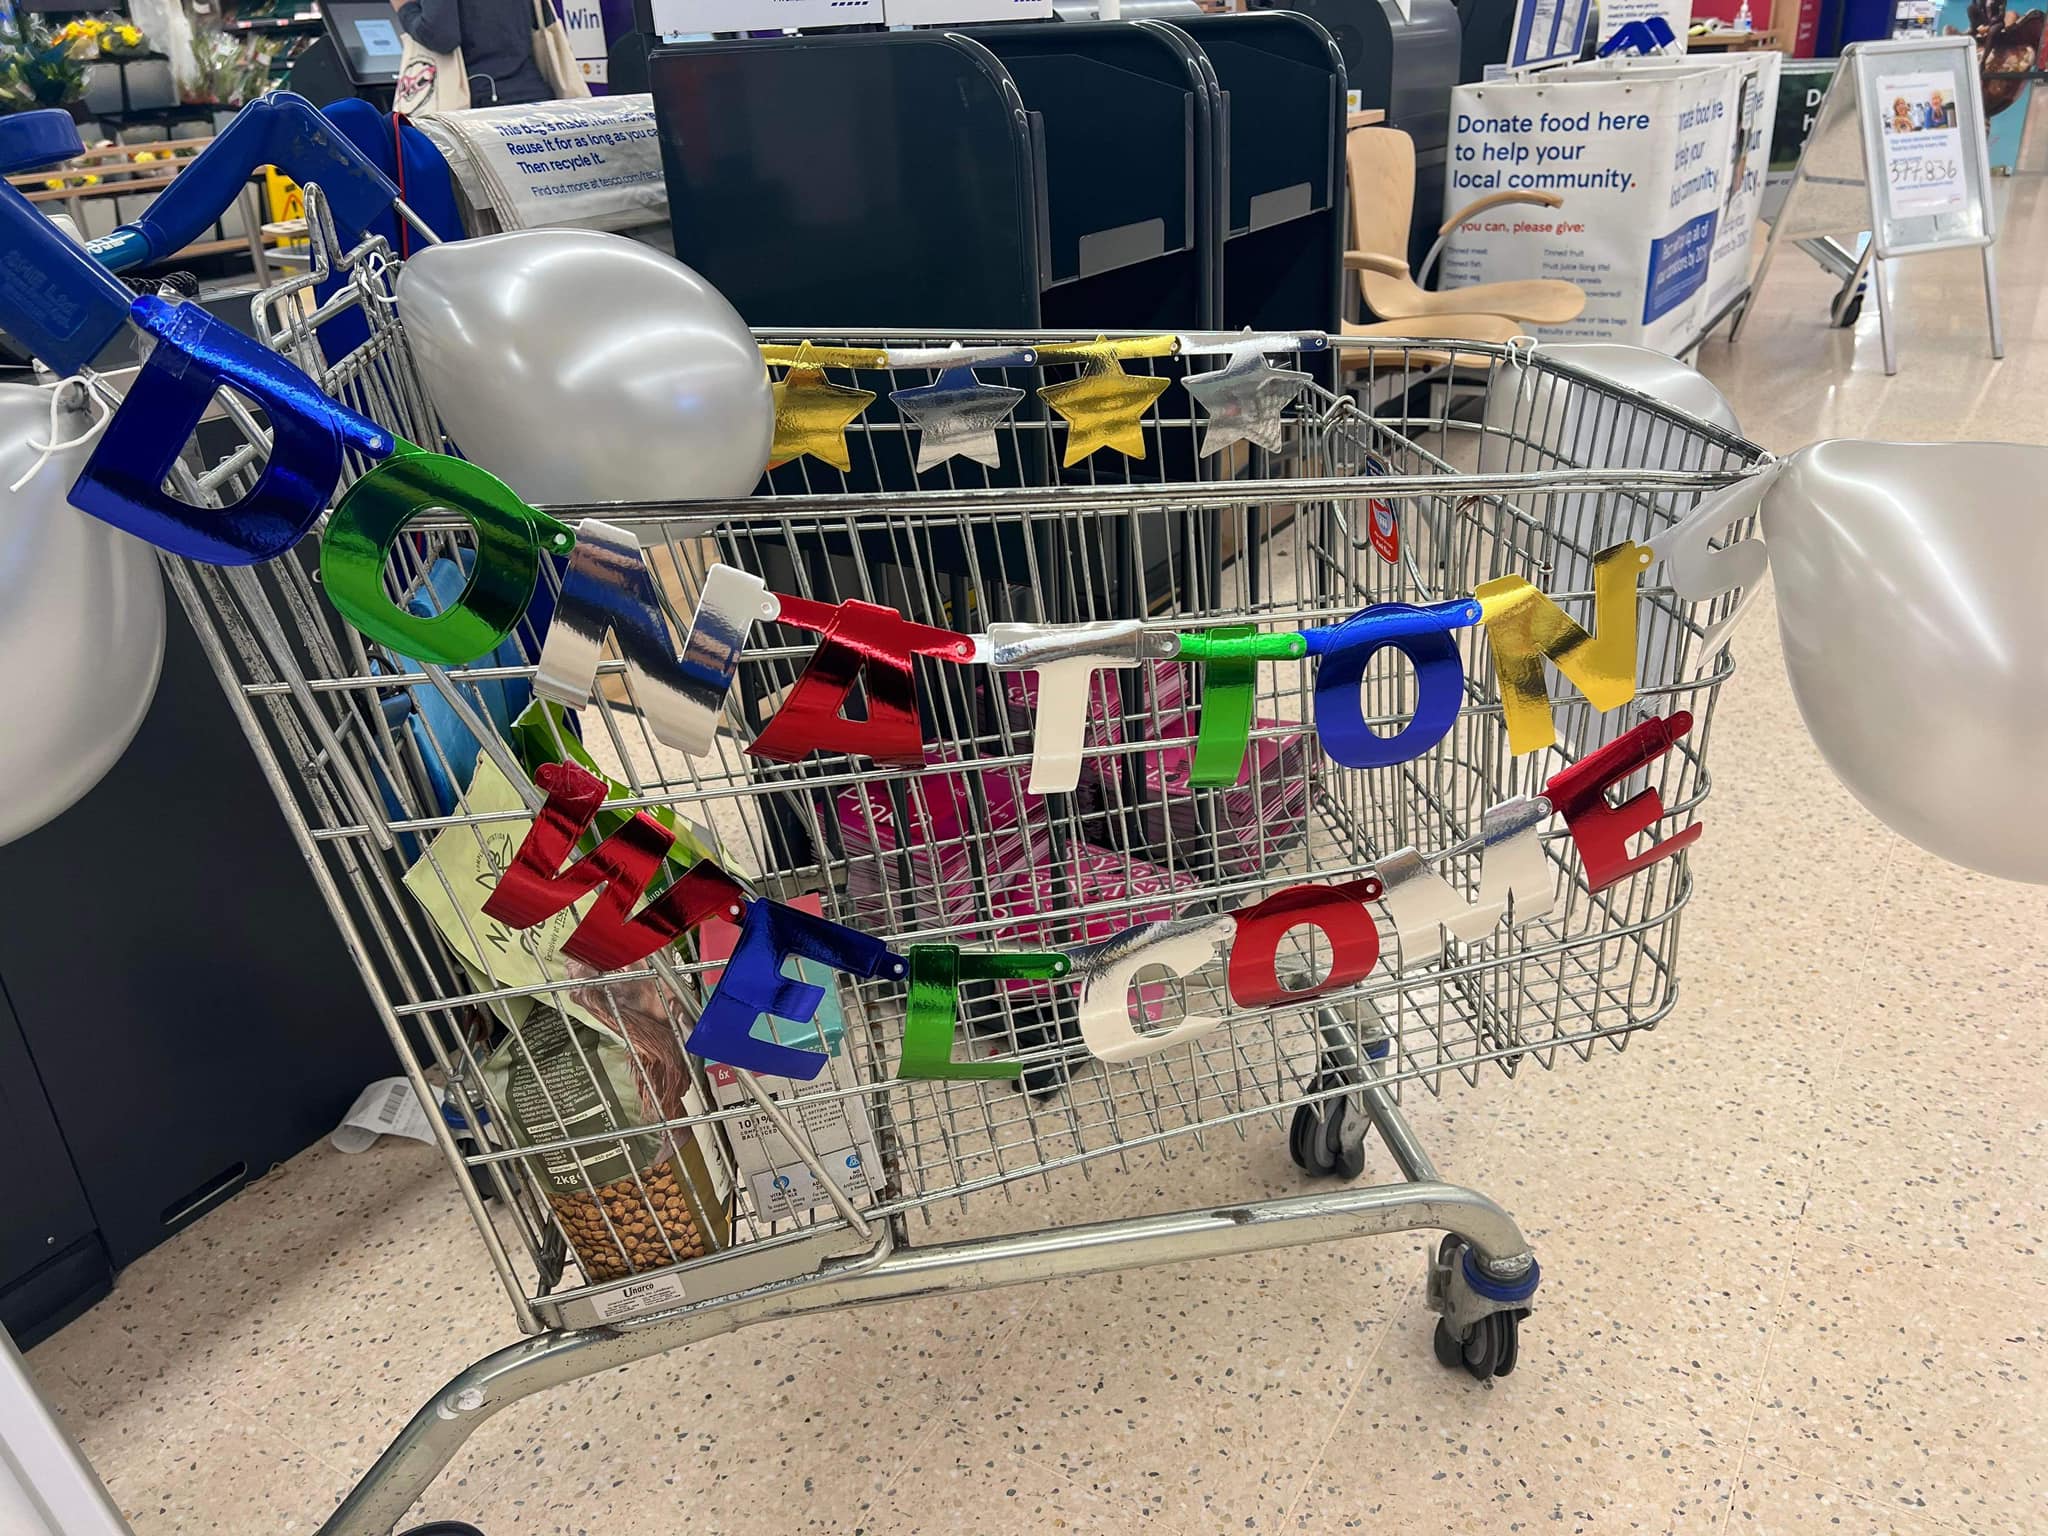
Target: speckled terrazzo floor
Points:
(1792, 1241)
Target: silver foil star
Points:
(957, 414)
(1246, 400)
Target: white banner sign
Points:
(595, 163)
(1675, 14)
(1654, 179)
(672, 16)
(925, 13)
(1756, 96)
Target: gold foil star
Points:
(1104, 408)
(811, 416)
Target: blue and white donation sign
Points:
(1657, 170)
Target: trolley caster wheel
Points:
(443, 1528)
(1303, 1140)
(1851, 312)
(1488, 1350)
(1315, 1140)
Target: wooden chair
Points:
(1381, 162)
(1410, 340)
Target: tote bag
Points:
(429, 81)
(551, 51)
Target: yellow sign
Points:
(282, 196)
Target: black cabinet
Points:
(180, 1012)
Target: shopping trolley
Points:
(1489, 462)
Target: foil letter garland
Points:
(195, 354)
(1515, 868)
(1512, 866)
(1524, 627)
(1339, 911)
(609, 590)
(863, 641)
(1065, 657)
(753, 984)
(1697, 571)
(1231, 654)
(1107, 969)
(1602, 831)
(1420, 634)
(1224, 732)
(534, 886)
(373, 513)
(932, 1013)
(541, 735)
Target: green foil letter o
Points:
(510, 538)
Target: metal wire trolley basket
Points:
(632, 1198)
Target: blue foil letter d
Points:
(195, 354)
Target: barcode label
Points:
(394, 1101)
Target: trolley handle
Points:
(64, 306)
(280, 129)
(54, 298)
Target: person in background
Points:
(496, 39)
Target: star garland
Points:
(958, 415)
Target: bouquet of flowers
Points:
(42, 65)
(103, 37)
(231, 71)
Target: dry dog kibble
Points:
(623, 1204)
(645, 1231)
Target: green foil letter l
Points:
(936, 971)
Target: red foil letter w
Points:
(535, 887)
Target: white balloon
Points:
(578, 366)
(1569, 426)
(81, 624)
(1663, 378)
(1912, 586)
(1540, 418)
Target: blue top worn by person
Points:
(496, 39)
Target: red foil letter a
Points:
(859, 638)
(535, 887)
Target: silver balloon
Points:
(81, 623)
(1539, 418)
(578, 366)
(1912, 587)
(1571, 426)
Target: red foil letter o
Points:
(1339, 910)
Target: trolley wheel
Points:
(1315, 1140)
(443, 1528)
(1851, 312)
(1304, 1139)
(1488, 1350)
(1450, 1349)
(1349, 1161)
